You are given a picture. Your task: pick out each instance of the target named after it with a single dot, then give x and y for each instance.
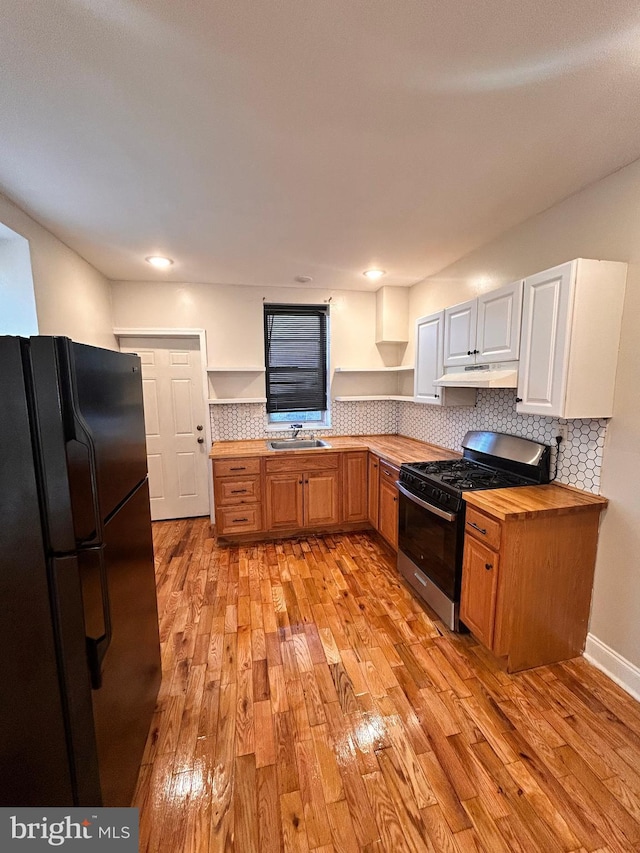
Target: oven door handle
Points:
(448, 516)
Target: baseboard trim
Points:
(619, 669)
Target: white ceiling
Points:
(257, 140)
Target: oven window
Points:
(431, 543)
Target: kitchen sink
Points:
(297, 444)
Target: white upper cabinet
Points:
(498, 326)
(428, 366)
(571, 322)
(460, 333)
(486, 329)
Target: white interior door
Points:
(174, 413)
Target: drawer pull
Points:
(239, 468)
(482, 530)
(236, 520)
(488, 566)
(422, 580)
(238, 491)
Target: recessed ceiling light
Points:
(159, 262)
(303, 279)
(374, 274)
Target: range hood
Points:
(503, 375)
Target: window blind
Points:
(295, 338)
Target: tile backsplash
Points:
(580, 456)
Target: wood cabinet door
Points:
(388, 509)
(284, 501)
(321, 498)
(460, 333)
(373, 487)
(428, 364)
(498, 330)
(479, 589)
(354, 486)
(542, 375)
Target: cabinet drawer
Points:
(290, 461)
(238, 490)
(244, 518)
(233, 467)
(388, 471)
(483, 527)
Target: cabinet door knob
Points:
(488, 566)
(299, 482)
(469, 352)
(201, 440)
(436, 395)
(476, 351)
(518, 399)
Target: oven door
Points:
(432, 539)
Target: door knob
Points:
(199, 427)
(201, 440)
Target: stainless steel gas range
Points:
(432, 511)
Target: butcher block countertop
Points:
(395, 449)
(528, 501)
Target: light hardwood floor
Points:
(309, 702)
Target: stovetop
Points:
(443, 482)
(464, 475)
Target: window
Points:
(296, 356)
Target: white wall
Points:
(72, 298)
(602, 221)
(232, 317)
(17, 300)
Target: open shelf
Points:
(251, 369)
(352, 399)
(225, 401)
(398, 369)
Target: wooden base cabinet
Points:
(237, 490)
(527, 581)
(373, 490)
(479, 590)
(388, 504)
(354, 486)
(302, 491)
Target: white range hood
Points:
(481, 376)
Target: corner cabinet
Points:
(429, 366)
(354, 486)
(571, 320)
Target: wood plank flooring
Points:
(309, 703)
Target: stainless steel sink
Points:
(297, 444)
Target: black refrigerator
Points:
(79, 644)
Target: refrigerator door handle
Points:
(76, 430)
(97, 616)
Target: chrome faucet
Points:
(296, 429)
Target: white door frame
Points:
(204, 361)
